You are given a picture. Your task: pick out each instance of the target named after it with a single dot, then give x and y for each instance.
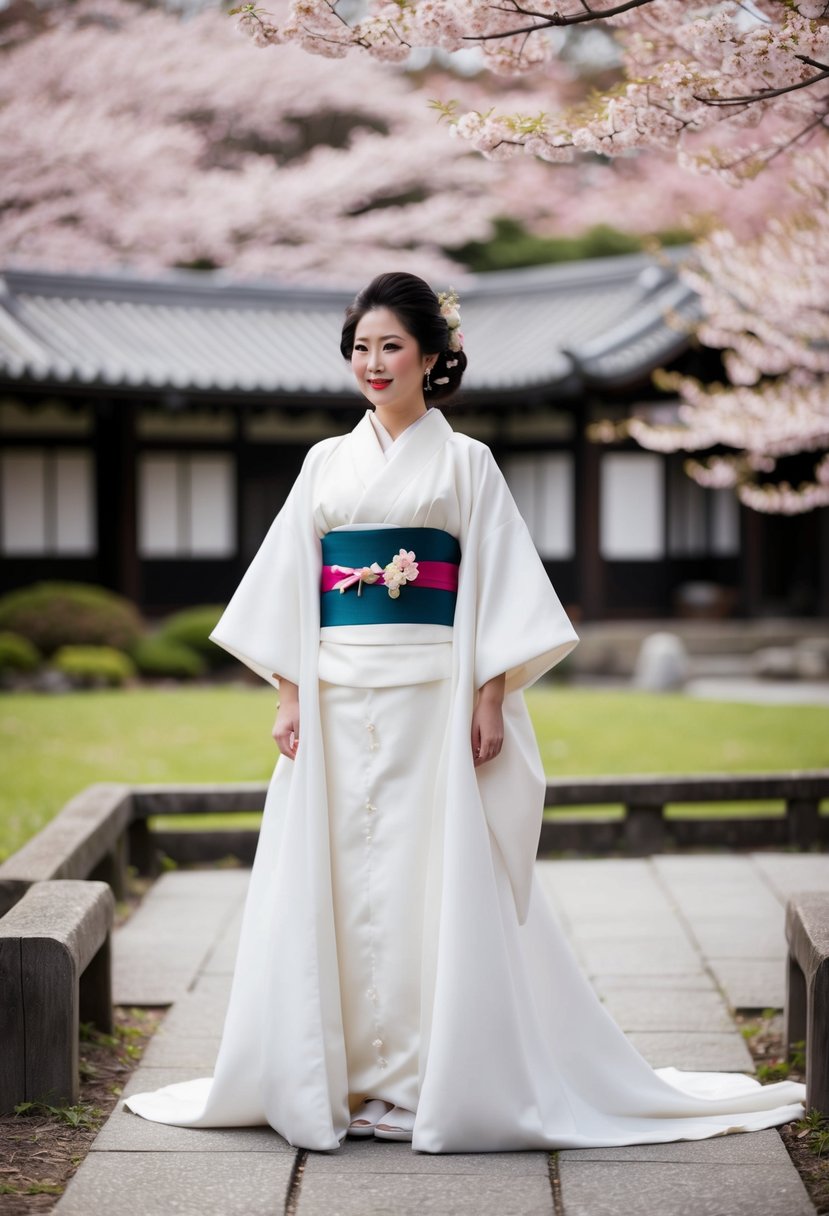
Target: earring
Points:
(428, 385)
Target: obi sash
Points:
(361, 567)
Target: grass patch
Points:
(53, 746)
(589, 732)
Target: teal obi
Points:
(387, 576)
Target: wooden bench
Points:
(55, 970)
(807, 990)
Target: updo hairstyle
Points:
(416, 306)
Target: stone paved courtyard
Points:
(672, 943)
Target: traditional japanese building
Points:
(151, 427)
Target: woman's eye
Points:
(391, 346)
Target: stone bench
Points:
(88, 839)
(55, 970)
(807, 990)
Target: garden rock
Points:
(775, 663)
(662, 663)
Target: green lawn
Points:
(53, 746)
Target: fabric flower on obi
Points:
(401, 569)
(358, 575)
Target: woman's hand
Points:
(488, 721)
(286, 727)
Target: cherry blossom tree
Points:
(754, 73)
(766, 306)
(733, 91)
(129, 136)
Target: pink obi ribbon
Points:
(441, 576)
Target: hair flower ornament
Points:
(401, 569)
(450, 310)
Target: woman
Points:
(399, 974)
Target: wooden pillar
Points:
(751, 565)
(803, 818)
(589, 566)
(239, 471)
(822, 563)
(115, 461)
(644, 829)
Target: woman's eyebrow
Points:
(384, 338)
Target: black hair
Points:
(416, 306)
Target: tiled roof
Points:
(599, 321)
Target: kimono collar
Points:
(384, 479)
(385, 439)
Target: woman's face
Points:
(387, 362)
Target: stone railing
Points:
(644, 828)
(105, 827)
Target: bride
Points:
(399, 973)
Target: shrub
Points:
(51, 615)
(160, 656)
(94, 665)
(192, 628)
(17, 653)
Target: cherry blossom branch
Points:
(765, 94)
(557, 21)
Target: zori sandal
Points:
(397, 1125)
(367, 1115)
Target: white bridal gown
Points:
(394, 941)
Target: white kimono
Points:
(514, 1049)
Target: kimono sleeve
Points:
(261, 626)
(521, 626)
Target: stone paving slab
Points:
(222, 958)
(201, 1011)
(167, 1050)
(626, 927)
(187, 1184)
(603, 889)
(637, 1188)
(372, 1156)
(130, 1133)
(127, 1131)
(696, 1051)
(737, 1148)
(643, 956)
(698, 982)
(728, 885)
(753, 983)
(741, 936)
(668, 1009)
(788, 873)
(158, 952)
(424, 1195)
